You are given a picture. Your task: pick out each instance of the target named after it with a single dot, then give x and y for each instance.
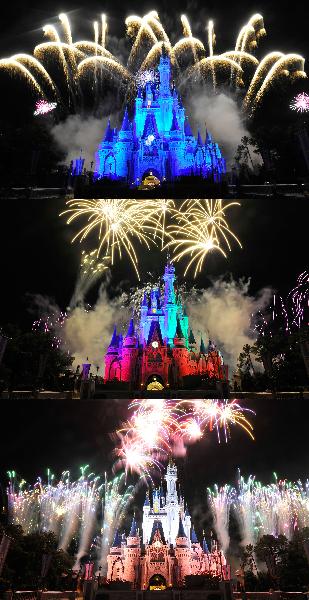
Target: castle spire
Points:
(191, 338)
(117, 540)
(114, 340)
(187, 128)
(108, 132)
(133, 530)
(179, 333)
(174, 126)
(181, 532)
(205, 547)
(199, 139)
(202, 347)
(131, 330)
(125, 122)
(194, 539)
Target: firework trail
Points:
(116, 499)
(118, 223)
(201, 228)
(87, 64)
(71, 509)
(220, 500)
(196, 228)
(287, 315)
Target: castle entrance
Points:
(150, 179)
(157, 582)
(154, 383)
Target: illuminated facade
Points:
(158, 142)
(168, 549)
(161, 349)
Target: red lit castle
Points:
(168, 549)
(161, 350)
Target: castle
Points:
(158, 144)
(161, 350)
(168, 549)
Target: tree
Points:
(32, 358)
(23, 566)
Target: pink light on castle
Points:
(161, 349)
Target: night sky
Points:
(38, 258)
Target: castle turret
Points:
(194, 539)
(170, 319)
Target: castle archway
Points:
(151, 179)
(154, 383)
(157, 582)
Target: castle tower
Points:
(132, 555)
(170, 318)
(129, 354)
(182, 553)
(115, 562)
(112, 364)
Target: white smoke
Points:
(87, 333)
(79, 136)
(223, 119)
(224, 312)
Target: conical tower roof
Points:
(181, 531)
(133, 530)
(125, 122)
(179, 332)
(199, 139)
(191, 338)
(117, 540)
(205, 547)
(115, 340)
(175, 124)
(187, 128)
(194, 539)
(108, 137)
(202, 347)
(131, 330)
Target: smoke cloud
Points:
(223, 119)
(224, 312)
(79, 136)
(87, 333)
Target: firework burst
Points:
(201, 228)
(87, 64)
(300, 103)
(42, 107)
(118, 223)
(158, 428)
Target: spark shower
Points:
(88, 67)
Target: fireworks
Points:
(71, 508)
(42, 107)
(144, 77)
(52, 324)
(159, 428)
(200, 229)
(300, 299)
(89, 62)
(91, 265)
(300, 103)
(286, 315)
(118, 222)
(273, 509)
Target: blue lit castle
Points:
(158, 144)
